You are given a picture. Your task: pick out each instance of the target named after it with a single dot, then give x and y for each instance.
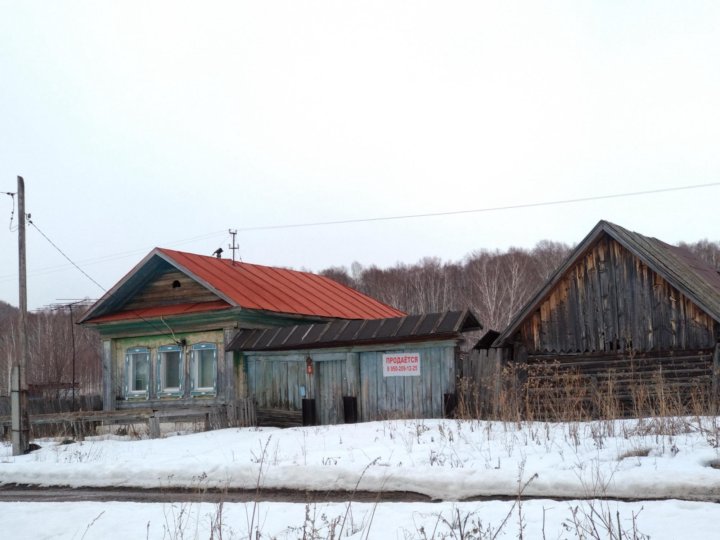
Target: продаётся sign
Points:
(401, 364)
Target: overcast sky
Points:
(143, 124)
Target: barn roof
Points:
(486, 342)
(241, 285)
(696, 279)
(433, 326)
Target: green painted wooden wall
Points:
(275, 380)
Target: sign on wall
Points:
(401, 364)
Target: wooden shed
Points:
(627, 325)
(347, 371)
(166, 325)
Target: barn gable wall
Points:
(609, 300)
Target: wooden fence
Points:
(479, 384)
(240, 413)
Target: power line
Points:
(113, 256)
(61, 252)
(478, 210)
(116, 256)
(133, 312)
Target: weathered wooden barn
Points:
(361, 370)
(627, 325)
(166, 325)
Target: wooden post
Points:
(108, 388)
(716, 379)
(19, 399)
(154, 426)
(72, 337)
(352, 373)
(228, 379)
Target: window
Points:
(204, 368)
(137, 370)
(170, 370)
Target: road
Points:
(61, 494)
(24, 493)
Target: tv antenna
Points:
(233, 247)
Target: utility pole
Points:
(72, 335)
(19, 393)
(58, 307)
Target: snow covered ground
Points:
(450, 461)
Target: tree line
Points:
(493, 284)
(54, 344)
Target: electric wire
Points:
(116, 256)
(133, 312)
(113, 256)
(480, 210)
(61, 252)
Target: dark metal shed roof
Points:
(430, 326)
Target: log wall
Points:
(614, 338)
(617, 385)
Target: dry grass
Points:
(636, 452)
(551, 392)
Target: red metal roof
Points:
(279, 290)
(162, 311)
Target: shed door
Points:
(276, 383)
(330, 387)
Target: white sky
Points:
(142, 124)
(447, 460)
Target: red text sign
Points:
(401, 364)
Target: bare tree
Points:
(55, 342)
(549, 256)
(500, 283)
(706, 250)
(339, 274)
(493, 284)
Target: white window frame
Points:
(162, 389)
(130, 359)
(196, 390)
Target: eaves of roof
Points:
(161, 311)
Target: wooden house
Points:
(626, 322)
(360, 370)
(166, 325)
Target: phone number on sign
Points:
(403, 369)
